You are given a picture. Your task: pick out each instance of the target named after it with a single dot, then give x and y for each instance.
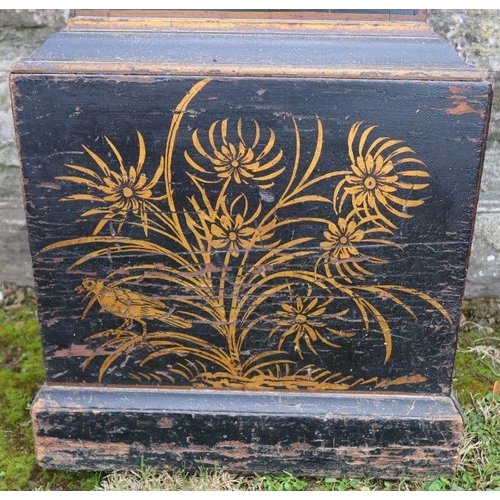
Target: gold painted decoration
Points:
(119, 193)
(221, 265)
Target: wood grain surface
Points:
(250, 233)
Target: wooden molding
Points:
(369, 15)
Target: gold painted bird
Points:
(129, 305)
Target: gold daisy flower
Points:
(372, 179)
(382, 177)
(303, 321)
(234, 231)
(119, 193)
(231, 233)
(232, 157)
(341, 246)
(341, 238)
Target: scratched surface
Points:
(250, 233)
(318, 435)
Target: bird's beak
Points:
(78, 288)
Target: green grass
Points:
(477, 362)
(22, 372)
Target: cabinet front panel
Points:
(256, 234)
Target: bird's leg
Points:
(144, 342)
(128, 324)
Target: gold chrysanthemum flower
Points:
(303, 321)
(341, 238)
(231, 233)
(382, 177)
(372, 179)
(232, 157)
(341, 246)
(124, 192)
(234, 231)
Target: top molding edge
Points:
(364, 15)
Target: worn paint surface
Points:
(249, 249)
(257, 234)
(332, 435)
(283, 15)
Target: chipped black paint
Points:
(267, 432)
(76, 92)
(435, 242)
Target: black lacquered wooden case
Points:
(250, 235)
